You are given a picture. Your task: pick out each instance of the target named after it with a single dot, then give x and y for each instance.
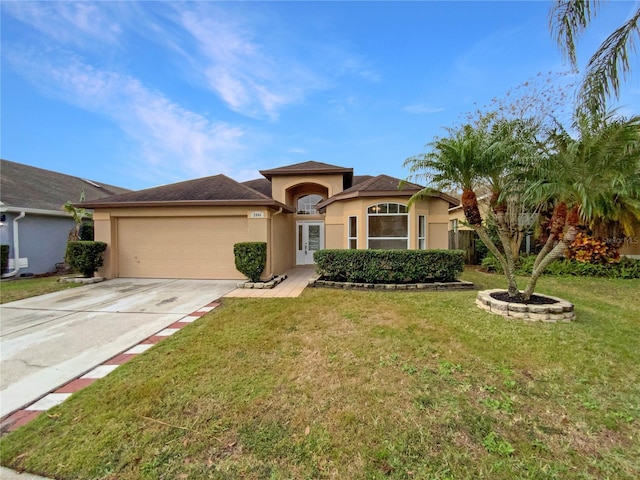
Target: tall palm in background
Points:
(609, 64)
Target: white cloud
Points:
(68, 22)
(238, 68)
(173, 142)
(422, 109)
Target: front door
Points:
(309, 239)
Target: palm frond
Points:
(567, 20)
(608, 65)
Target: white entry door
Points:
(309, 239)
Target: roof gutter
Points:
(16, 248)
(35, 211)
(188, 203)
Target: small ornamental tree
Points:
(251, 259)
(78, 214)
(86, 257)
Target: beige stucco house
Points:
(188, 229)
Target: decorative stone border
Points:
(80, 280)
(270, 284)
(461, 285)
(561, 311)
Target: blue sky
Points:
(148, 93)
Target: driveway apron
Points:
(48, 340)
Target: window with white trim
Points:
(353, 233)
(422, 232)
(307, 204)
(388, 226)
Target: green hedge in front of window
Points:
(390, 266)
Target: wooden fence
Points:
(464, 240)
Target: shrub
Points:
(626, 268)
(251, 258)
(4, 258)
(85, 257)
(587, 249)
(390, 266)
(86, 232)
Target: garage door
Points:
(192, 247)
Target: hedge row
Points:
(626, 268)
(390, 266)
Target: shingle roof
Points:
(360, 178)
(382, 186)
(383, 183)
(27, 187)
(261, 185)
(306, 168)
(214, 190)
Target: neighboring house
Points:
(32, 221)
(630, 245)
(188, 229)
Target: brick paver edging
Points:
(560, 311)
(56, 397)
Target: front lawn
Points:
(349, 384)
(12, 290)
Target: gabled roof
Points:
(382, 186)
(23, 187)
(215, 190)
(307, 168)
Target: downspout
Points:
(16, 248)
(271, 238)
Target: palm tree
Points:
(78, 214)
(589, 178)
(568, 19)
(478, 158)
(592, 179)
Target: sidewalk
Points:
(297, 280)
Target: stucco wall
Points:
(282, 243)
(280, 185)
(261, 229)
(337, 214)
(631, 244)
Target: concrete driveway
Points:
(48, 340)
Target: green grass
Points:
(12, 290)
(363, 385)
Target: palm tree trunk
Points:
(543, 261)
(505, 239)
(470, 208)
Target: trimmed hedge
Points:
(86, 257)
(626, 268)
(250, 258)
(4, 258)
(390, 266)
(86, 232)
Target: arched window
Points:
(388, 226)
(307, 204)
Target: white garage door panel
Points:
(197, 247)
